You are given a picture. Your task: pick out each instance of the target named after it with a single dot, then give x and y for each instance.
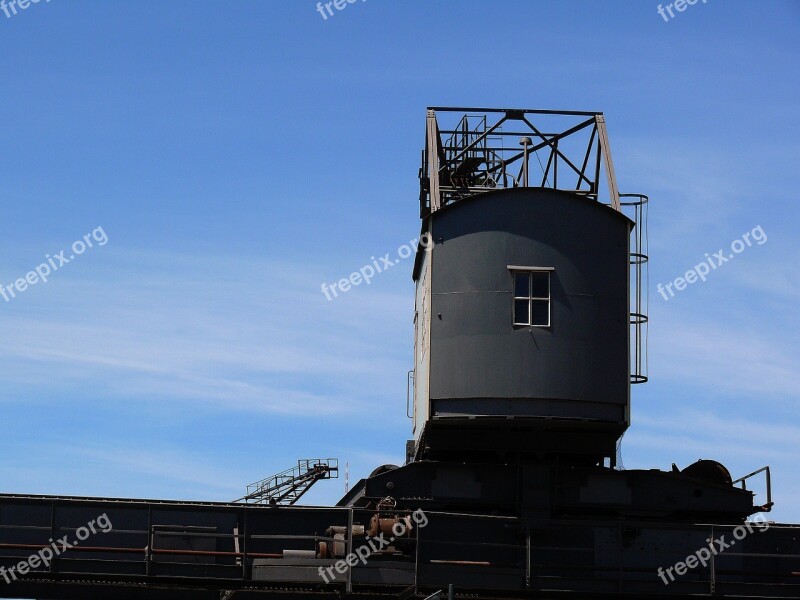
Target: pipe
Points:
(480, 563)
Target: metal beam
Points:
(605, 149)
(432, 142)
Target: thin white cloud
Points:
(708, 434)
(725, 354)
(265, 339)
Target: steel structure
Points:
(520, 393)
(490, 148)
(287, 487)
(470, 151)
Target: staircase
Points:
(287, 487)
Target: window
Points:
(531, 296)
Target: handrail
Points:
(409, 391)
(768, 506)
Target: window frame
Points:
(516, 270)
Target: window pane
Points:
(541, 312)
(540, 285)
(521, 316)
(521, 285)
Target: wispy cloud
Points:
(245, 335)
(121, 469)
(708, 435)
(720, 356)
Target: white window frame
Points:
(520, 270)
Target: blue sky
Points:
(239, 154)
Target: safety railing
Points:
(635, 207)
